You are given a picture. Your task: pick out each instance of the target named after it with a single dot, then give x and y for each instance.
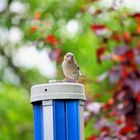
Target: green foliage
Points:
(16, 113)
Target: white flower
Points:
(18, 7)
(86, 115)
(94, 107)
(15, 35)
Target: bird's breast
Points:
(69, 68)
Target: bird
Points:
(70, 68)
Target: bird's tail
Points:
(82, 75)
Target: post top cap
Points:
(57, 91)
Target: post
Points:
(58, 111)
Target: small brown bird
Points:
(70, 68)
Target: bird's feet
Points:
(70, 80)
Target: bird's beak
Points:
(69, 59)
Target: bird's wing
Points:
(77, 66)
(79, 70)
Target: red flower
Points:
(117, 38)
(136, 15)
(124, 72)
(92, 138)
(37, 15)
(128, 128)
(106, 107)
(51, 39)
(130, 55)
(95, 27)
(138, 97)
(100, 52)
(119, 121)
(118, 58)
(127, 37)
(34, 28)
(105, 130)
(138, 27)
(111, 101)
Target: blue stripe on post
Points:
(38, 121)
(72, 120)
(59, 120)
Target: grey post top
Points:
(57, 91)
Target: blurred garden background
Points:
(104, 35)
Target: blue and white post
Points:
(58, 111)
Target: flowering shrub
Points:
(118, 119)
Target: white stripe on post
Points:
(48, 119)
(81, 109)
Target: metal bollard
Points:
(58, 111)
